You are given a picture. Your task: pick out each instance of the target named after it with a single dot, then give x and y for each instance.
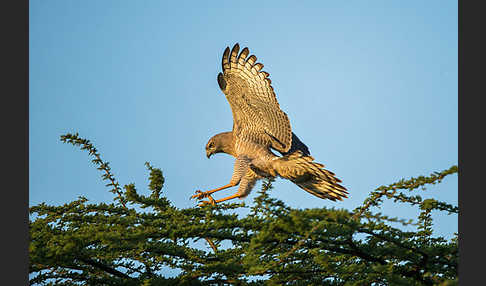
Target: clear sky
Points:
(369, 86)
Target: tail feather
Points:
(310, 176)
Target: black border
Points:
(471, 143)
(15, 131)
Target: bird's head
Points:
(219, 143)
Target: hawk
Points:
(259, 128)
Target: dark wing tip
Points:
(251, 59)
(244, 53)
(225, 59)
(235, 50)
(258, 66)
(221, 81)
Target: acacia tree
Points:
(132, 239)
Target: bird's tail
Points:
(310, 176)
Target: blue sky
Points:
(369, 86)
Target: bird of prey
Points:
(259, 128)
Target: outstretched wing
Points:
(256, 112)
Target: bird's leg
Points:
(240, 168)
(201, 195)
(228, 198)
(213, 201)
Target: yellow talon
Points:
(210, 201)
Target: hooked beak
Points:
(208, 154)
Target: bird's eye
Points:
(211, 145)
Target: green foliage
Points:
(80, 243)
